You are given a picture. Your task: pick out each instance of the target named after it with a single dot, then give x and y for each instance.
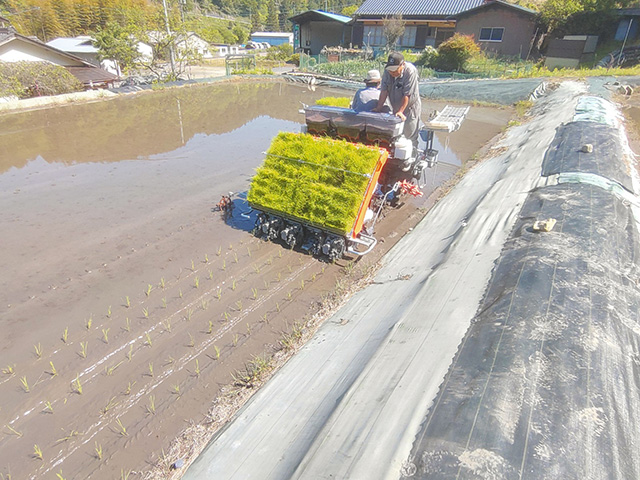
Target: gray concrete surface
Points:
(350, 404)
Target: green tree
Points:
(272, 16)
(116, 43)
(349, 11)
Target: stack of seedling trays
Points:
(317, 181)
(373, 128)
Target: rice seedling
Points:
(219, 251)
(189, 313)
(210, 330)
(89, 322)
(25, 384)
(65, 335)
(192, 342)
(109, 312)
(217, 350)
(279, 253)
(313, 277)
(235, 257)
(38, 350)
(256, 268)
(53, 371)
(110, 404)
(302, 284)
(13, 431)
(76, 385)
(230, 246)
(149, 288)
(129, 388)
(197, 370)
(278, 307)
(289, 267)
(235, 340)
(98, 450)
(269, 260)
(130, 353)
(127, 325)
(121, 428)
(322, 269)
(226, 316)
(180, 293)
(145, 312)
(151, 369)
(289, 295)
(193, 266)
(196, 282)
(175, 389)
(206, 258)
(266, 284)
(151, 408)
(248, 330)
(37, 452)
(254, 292)
(73, 433)
(164, 302)
(233, 285)
(170, 360)
(9, 370)
(125, 475)
(219, 293)
(278, 277)
(105, 335)
(162, 284)
(224, 265)
(109, 370)
(210, 274)
(83, 349)
(127, 302)
(204, 304)
(264, 318)
(48, 407)
(167, 325)
(239, 305)
(60, 475)
(148, 341)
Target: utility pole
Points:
(171, 54)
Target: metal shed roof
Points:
(416, 7)
(316, 15)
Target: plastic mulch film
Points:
(565, 152)
(546, 382)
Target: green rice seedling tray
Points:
(318, 181)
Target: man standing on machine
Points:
(400, 86)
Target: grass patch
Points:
(319, 180)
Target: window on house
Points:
(408, 38)
(373, 36)
(491, 34)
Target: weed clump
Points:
(319, 180)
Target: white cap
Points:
(372, 76)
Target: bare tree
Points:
(393, 29)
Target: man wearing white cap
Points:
(366, 99)
(400, 86)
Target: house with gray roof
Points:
(427, 22)
(500, 27)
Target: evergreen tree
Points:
(272, 16)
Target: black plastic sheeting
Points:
(546, 383)
(565, 155)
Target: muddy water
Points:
(100, 201)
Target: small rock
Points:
(178, 464)
(587, 148)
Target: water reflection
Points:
(145, 124)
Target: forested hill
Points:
(215, 20)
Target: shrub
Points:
(344, 102)
(319, 180)
(427, 57)
(280, 52)
(32, 79)
(455, 52)
(295, 59)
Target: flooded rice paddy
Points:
(126, 304)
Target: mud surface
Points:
(126, 303)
